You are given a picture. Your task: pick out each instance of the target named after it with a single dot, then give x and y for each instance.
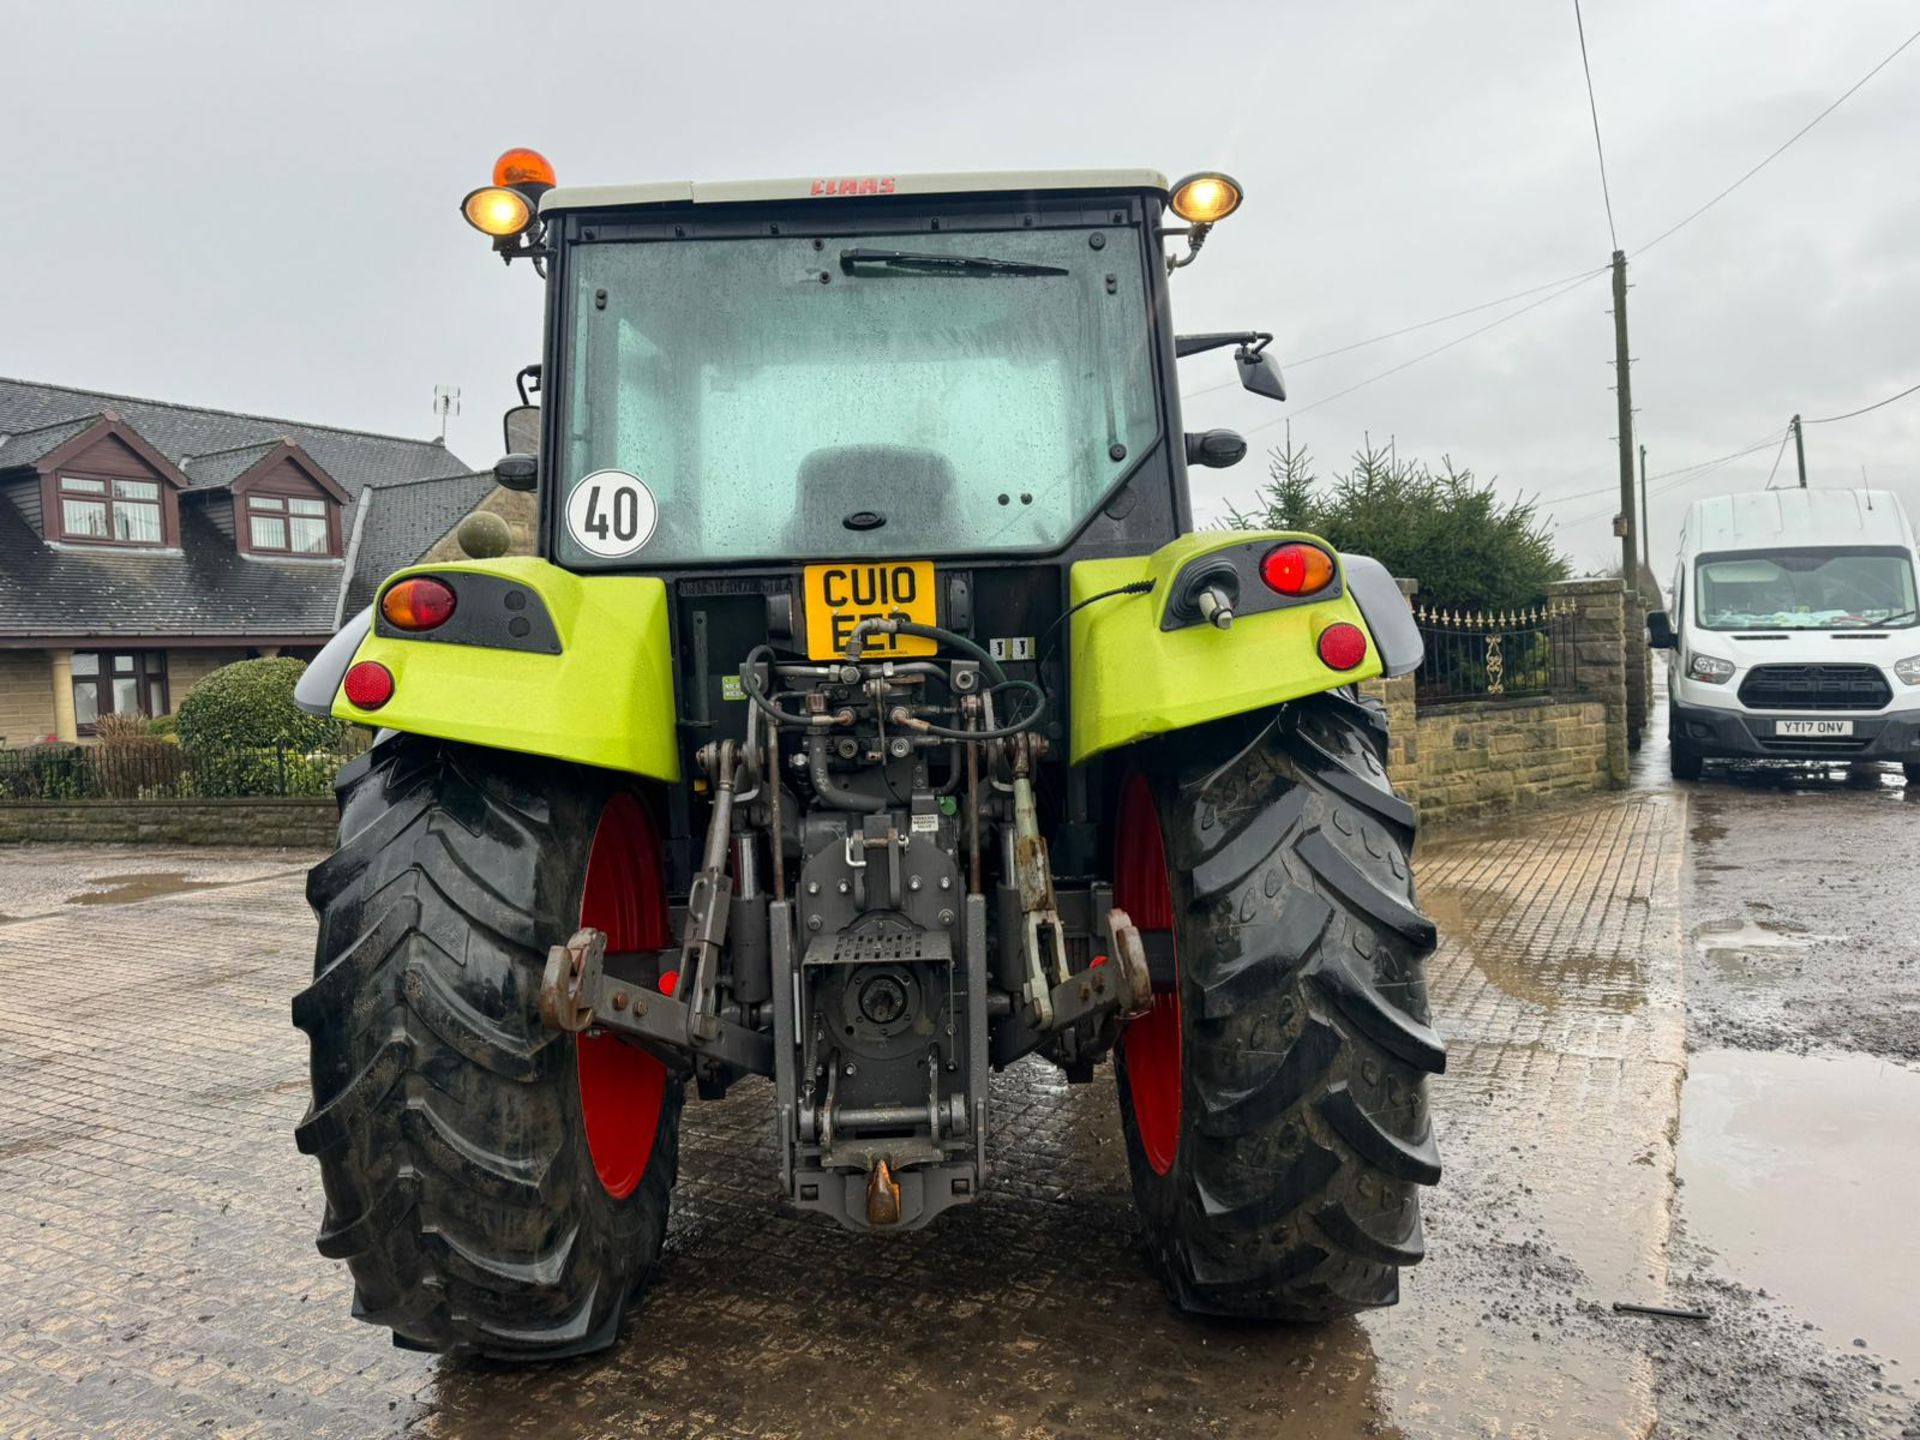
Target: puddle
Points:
(1799, 1172)
(1757, 935)
(141, 885)
(1750, 951)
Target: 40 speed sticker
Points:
(611, 514)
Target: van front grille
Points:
(1815, 687)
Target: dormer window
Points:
(289, 525)
(108, 511)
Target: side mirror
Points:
(1260, 373)
(522, 427)
(1216, 449)
(517, 472)
(1659, 630)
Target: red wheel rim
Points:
(1151, 1043)
(622, 1087)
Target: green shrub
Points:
(49, 770)
(262, 770)
(164, 725)
(250, 704)
(1468, 547)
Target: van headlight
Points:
(1715, 672)
(1908, 669)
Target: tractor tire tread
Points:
(1293, 1194)
(458, 1187)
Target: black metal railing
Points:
(1498, 654)
(153, 768)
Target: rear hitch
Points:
(576, 994)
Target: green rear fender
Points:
(1132, 679)
(605, 699)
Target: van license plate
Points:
(840, 596)
(1814, 729)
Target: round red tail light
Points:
(1342, 646)
(1296, 569)
(418, 604)
(369, 685)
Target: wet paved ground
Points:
(157, 1273)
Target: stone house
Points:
(144, 544)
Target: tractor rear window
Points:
(911, 394)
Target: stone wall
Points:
(1467, 758)
(26, 696)
(266, 822)
(1639, 668)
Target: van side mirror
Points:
(521, 425)
(517, 472)
(1659, 630)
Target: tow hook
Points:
(883, 1195)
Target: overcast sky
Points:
(254, 206)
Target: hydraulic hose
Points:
(828, 791)
(1002, 732)
(751, 689)
(940, 636)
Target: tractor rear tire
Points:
(495, 1187)
(1274, 1101)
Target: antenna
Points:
(446, 403)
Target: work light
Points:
(1205, 198)
(498, 211)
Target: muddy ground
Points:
(1683, 1071)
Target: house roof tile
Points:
(223, 467)
(26, 446)
(206, 588)
(356, 458)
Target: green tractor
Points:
(872, 717)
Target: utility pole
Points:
(1646, 525)
(1624, 393)
(1799, 450)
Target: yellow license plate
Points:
(840, 596)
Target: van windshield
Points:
(884, 394)
(1830, 588)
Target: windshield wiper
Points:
(919, 264)
(1899, 617)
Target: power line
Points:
(1689, 472)
(1572, 280)
(1719, 460)
(1783, 148)
(1779, 455)
(1829, 419)
(1409, 329)
(1438, 349)
(1601, 153)
(1559, 288)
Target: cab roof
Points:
(1794, 517)
(843, 187)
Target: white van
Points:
(1794, 631)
